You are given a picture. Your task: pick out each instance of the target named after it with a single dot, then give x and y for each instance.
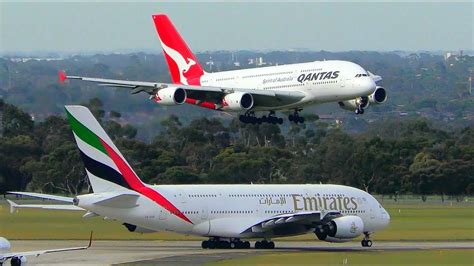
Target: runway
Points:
(190, 252)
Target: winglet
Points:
(13, 206)
(90, 241)
(62, 76)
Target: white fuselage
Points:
(227, 210)
(328, 81)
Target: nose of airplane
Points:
(385, 218)
(365, 85)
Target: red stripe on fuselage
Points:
(136, 184)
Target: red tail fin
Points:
(183, 65)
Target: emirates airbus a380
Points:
(265, 89)
(226, 214)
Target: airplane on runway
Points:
(224, 213)
(19, 258)
(266, 89)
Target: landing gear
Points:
(216, 243)
(264, 244)
(359, 111)
(250, 118)
(366, 242)
(295, 117)
(362, 103)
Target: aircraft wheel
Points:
(211, 244)
(280, 120)
(291, 117)
(368, 243)
(205, 244)
(271, 245)
(258, 245)
(246, 244)
(301, 120)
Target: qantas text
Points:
(318, 76)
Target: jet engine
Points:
(378, 96)
(352, 105)
(237, 101)
(137, 229)
(340, 229)
(171, 96)
(17, 261)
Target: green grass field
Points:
(409, 222)
(431, 257)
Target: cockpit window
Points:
(361, 75)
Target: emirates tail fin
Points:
(183, 65)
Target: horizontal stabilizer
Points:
(62, 207)
(42, 196)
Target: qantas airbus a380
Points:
(226, 214)
(266, 89)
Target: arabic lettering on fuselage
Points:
(318, 76)
(272, 201)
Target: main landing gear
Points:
(295, 117)
(250, 118)
(216, 243)
(366, 242)
(264, 244)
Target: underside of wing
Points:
(291, 223)
(41, 252)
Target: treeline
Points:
(419, 84)
(392, 157)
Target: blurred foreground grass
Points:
(425, 257)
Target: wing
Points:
(41, 252)
(265, 98)
(308, 219)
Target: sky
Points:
(85, 26)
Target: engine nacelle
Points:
(136, 229)
(21, 260)
(352, 105)
(340, 229)
(378, 96)
(237, 101)
(171, 96)
(4, 245)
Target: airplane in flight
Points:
(226, 214)
(19, 258)
(267, 89)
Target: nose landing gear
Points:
(366, 242)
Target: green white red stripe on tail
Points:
(104, 161)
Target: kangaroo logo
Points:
(183, 66)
